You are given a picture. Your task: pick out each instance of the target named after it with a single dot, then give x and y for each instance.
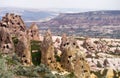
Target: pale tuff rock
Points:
(23, 49)
(33, 32)
(13, 22)
(73, 60)
(98, 64)
(47, 51)
(89, 45)
(6, 43)
(13, 26)
(110, 73)
(95, 46)
(63, 39)
(93, 76)
(102, 46)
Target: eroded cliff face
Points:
(47, 50)
(73, 60)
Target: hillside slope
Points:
(94, 23)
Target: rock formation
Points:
(33, 32)
(6, 43)
(23, 48)
(13, 26)
(102, 46)
(110, 73)
(13, 22)
(89, 45)
(63, 39)
(47, 51)
(73, 60)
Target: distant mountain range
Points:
(93, 23)
(28, 14)
(94, 18)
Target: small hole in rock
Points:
(25, 61)
(73, 43)
(85, 70)
(69, 56)
(67, 43)
(7, 46)
(23, 55)
(4, 47)
(49, 58)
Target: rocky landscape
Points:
(24, 53)
(92, 24)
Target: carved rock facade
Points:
(73, 60)
(6, 43)
(14, 23)
(47, 51)
(23, 49)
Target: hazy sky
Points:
(83, 4)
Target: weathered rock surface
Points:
(12, 25)
(47, 51)
(23, 48)
(73, 60)
(33, 32)
(6, 43)
(13, 22)
(89, 45)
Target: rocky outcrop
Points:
(12, 25)
(73, 60)
(6, 43)
(13, 22)
(96, 46)
(47, 51)
(23, 48)
(63, 39)
(33, 32)
(89, 45)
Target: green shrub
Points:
(36, 56)
(5, 69)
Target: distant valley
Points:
(92, 23)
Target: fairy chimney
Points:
(63, 39)
(47, 50)
(33, 32)
(23, 49)
(73, 60)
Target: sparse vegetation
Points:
(10, 67)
